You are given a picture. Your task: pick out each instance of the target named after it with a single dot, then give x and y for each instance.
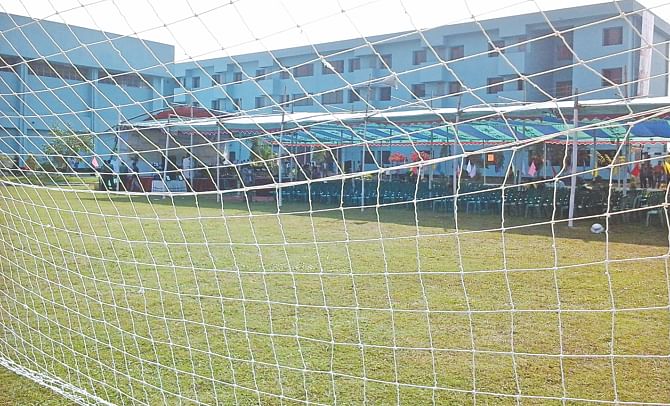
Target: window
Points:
(332, 97)
(237, 76)
(195, 104)
(237, 104)
(495, 48)
(612, 75)
(216, 79)
(613, 36)
(564, 88)
(284, 99)
(419, 57)
(261, 101)
(494, 85)
(195, 82)
(354, 64)
(260, 74)
(301, 99)
(284, 74)
(8, 63)
(385, 93)
(520, 83)
(455, 87)
(521, 43)
(456, 52)
(124, 79)
(56, 70)
(335, 66)
(386, 61)
(215, 104)
(304, 70)
(564, 52)
(353, 96)
(419, 90)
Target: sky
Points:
(201, 29)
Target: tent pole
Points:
(544, 159)
(573, 163)
(281, 154)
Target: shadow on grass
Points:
(630, 229)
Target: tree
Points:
(262, 155)
(66, 144)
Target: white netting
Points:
(473, 213)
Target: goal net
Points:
(335, 202)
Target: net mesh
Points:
(467, 214)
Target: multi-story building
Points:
(594, 49)
(54, 75)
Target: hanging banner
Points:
(646, 49)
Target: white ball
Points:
(597, 228)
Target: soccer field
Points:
(150, 300)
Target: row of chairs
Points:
(478, 198)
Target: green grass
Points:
(160, 301)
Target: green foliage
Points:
(66, 143)
(262, 155)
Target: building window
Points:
(564, 52)
(613, 36)
(520, 83)
(419, 90)
(237, 77)
(353, 96)
(457, 52)
(284, 74)
(216, 104)
(419, 57)
(494, 85)
(56, 70)
(455, 87)
(386, 61)
(354, 64)
(216, 79)
(332, 97)
(612, 75)
(385, 93)
(304, 70)
(335, 66)
(564, 88)
(8, 63)
(521, 43)
(260, 74)
(284, 99)
(496, 48)
(237, 104)
(261, 101)
(301, 99)
(195, 104)
(195, 82)
(124, 79)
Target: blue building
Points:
(598, 48)
(55, 75)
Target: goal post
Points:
(233, 203)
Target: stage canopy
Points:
(603, 122)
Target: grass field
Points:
(178, 301)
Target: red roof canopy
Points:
(186, 111)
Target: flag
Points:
(95, 162)
(532, 170)
(468, 168)
(472, 171)
(636, 170)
